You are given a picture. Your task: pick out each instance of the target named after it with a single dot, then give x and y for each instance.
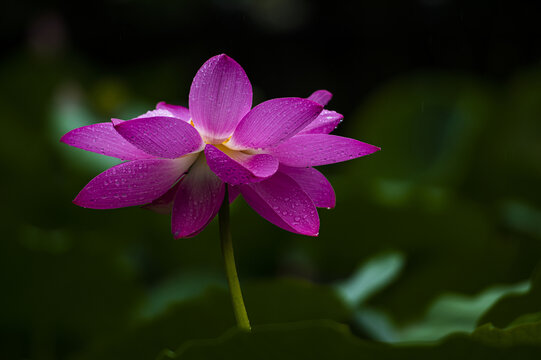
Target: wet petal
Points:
(177, 111)
(325, 123)
(273, 121)
(322, 97)
(234, 192)
(235, 167)
(314, 183)
(154, 113)
(116, 122)
(281, 201)
(164, 204)
(164, 137)
(103, 139)
(197, 201)
(320, 149)
(132, 183)
(220, 96)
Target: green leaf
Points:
(371, 277)
(528, 333)
(448, 314)
(331, 340)
(211, 314)
(527, 319)
(513, 306)
(449, 249)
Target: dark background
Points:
(451, 91)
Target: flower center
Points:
(208, 142)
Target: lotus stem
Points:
(230, 269)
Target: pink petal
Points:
(326, 122)
(314, 183)
(320, 149)
(322, 97)
(164, 137)
(281, 201)
(176, 110)
(132, 183)
(220, 96)
(197, 201)
(116, 122)
(273, 121)
(235, 167)
(154, 113)
(234, 192)
(164, 204)
(103, 139)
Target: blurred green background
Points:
(431, 251)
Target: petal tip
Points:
(321, 96)
(68, 138)
(310, 233)
(83, 202)
(116, 122)
(323, 92)
(77, 201)
(179, 236)
(368, 149)
(63, 139)
(221, 57)
(224, 56)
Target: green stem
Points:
(230, 269)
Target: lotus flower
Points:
(180, 159)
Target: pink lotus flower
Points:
(179, 160)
